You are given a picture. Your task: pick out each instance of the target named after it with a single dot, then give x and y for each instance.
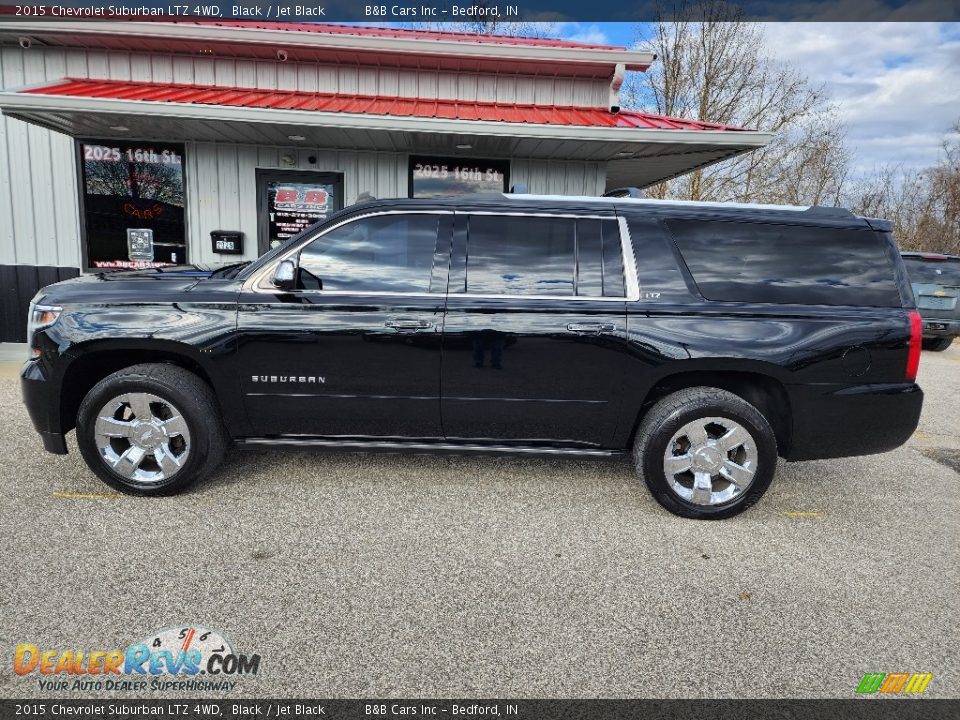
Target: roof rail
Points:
(824, 211)
(625, 192)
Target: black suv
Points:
(705, 339)
(936, 285)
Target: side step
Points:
(354, 445)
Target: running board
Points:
(419, 446)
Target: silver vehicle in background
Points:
(936, 285)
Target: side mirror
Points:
(285, 276)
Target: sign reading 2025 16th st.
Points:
(184, 658)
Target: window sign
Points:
(446, 177)
(133, 204)
(293, 201)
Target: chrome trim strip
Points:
(420, 445)
(629, 262)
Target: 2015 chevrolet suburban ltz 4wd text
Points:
(706, 339)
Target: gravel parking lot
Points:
(382, 575)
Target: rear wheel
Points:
(937, 344)
(151, 429)
(705, 453)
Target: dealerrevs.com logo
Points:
(188, 658)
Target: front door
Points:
(534, 336)
(354, 351)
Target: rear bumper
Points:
(934, 327)
(831, 422)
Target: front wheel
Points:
(937, 344)
(705, 453)
(151, 429)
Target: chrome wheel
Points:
(142, 437)
(710, 461)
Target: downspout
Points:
(616, 82)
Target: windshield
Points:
(939, 272)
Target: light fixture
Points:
(296, 138)
(464, 146)
(120, 128)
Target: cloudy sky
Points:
(897, 84)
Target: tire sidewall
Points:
(745, 415)
(186, 404)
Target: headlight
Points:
(38, 318)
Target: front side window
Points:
(384, 253)
(133, 204)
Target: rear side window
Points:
(756, 262)
(551, 256)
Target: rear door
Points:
(534, 333)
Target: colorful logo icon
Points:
(894, 683)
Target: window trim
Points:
(260, 283)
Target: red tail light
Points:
(916, 341)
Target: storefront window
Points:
(445, 177)
(133, 204)
(292, 201)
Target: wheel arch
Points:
(94, 361)
(765, 392)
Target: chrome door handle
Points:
(592, 328)
(407, 324)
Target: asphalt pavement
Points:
(404, 575)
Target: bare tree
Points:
(924, 206)
(712, 66)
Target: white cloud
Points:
(897, 84)
(588, 34)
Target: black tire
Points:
(937, 344)
(672, 413)
(194, 400)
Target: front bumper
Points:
(43, 405)
(832, 422)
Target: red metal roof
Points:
(369, 105)
(371, 31)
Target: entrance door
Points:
(534, 335)
(290, 201)
(354, 351)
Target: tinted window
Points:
(520, 256)
(613, 281)
(939, 272)
(754, 262)
(386, 253)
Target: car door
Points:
(354, 350)
(534, 343)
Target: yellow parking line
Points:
(86, 496)
(803, 513)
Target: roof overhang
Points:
(235, 40)
(637, 156)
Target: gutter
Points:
(283, 39)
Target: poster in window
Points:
(448, 177)
(133, 186)
(292, 207)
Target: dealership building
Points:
(135, 144)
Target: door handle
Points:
(592, 328)
(408, 324)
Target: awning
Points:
(641, 148)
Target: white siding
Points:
(39, 215)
